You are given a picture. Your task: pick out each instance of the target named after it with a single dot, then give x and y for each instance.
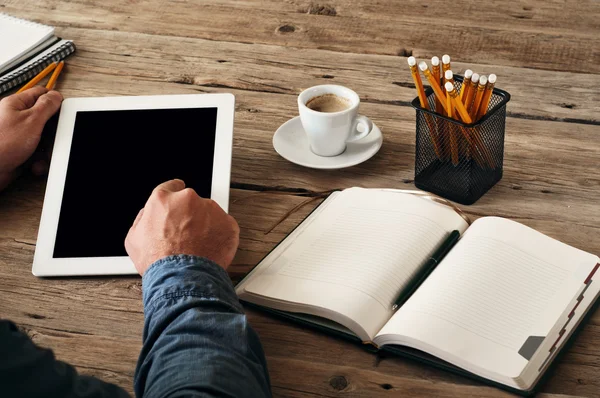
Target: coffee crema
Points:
(328, 103)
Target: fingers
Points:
(138, 218)
(46, 106)
(26, 99)
(171, 186)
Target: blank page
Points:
(501, 284)
(357, 255)
(18, 37)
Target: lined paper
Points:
(374, 251)
(349, 263)
(491, 289)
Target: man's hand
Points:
(22, 119)
(176, 220)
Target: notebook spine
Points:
(22, 75)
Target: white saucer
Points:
(291, 143)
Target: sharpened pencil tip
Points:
(446, 58)
(435, 61)
(449, 86)
(423, 65)
(468, 73)
(483, 80)
(412, 61)
(448, 74)
(492, 78)
(475, 77)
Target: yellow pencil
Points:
(435, 85)
(465, 84)
(449, 77)
(435, 70)
(412, 63)
(474, 139)
(445, 63)
(478, 97)
(470, 94)
(54, 77)
(38, 78)
(445, 67)
(451, 134)
(462, 111)
(487, 95)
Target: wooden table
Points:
(545, 53)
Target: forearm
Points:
(197, 340)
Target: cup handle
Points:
(367, 128)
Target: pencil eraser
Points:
(449, 86)
(475, 77)
(435, 61)
(448, 75)
(492, 78)
(446, 58)
(468, 73)
(412, 61)
(483, 80)
(423, 65)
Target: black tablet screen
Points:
(116, 160)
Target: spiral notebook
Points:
(32, 47)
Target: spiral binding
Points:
(26, 73)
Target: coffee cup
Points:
(329, 116)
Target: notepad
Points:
(499, 306)
(21, 39)
(31, 47)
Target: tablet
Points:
(109, 154)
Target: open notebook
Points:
(500, 305)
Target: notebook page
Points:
(501, 284)
(24, 36)
(357, 255)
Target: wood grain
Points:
(377, 78)
(546, 55)
(528, 35)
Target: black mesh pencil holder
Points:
(459, 161)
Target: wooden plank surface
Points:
(530, 34)
(265, 52)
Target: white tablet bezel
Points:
(43, 263)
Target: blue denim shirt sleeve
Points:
(197, 340)
(27, 370)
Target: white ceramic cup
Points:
(328, 132)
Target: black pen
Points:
(427, 269)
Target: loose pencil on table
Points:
(56, 67)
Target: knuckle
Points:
(46, 101)
(160, 194)
(189, 193)
(211, 205)
(57, 97)
(234, 225)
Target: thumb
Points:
(45, 107)
(171, 186)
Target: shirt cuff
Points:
(177, 276)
